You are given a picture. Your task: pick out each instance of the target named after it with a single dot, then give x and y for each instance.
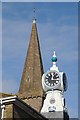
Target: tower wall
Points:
(8, 111)
(56, 115)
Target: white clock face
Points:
(52, 78)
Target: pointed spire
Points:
(33, 69)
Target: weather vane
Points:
(34, 13)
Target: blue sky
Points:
(57, 25)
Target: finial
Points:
(34, 21)
(54, 53)
(54, 58)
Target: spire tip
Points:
(34, 20)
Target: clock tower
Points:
(54, 84)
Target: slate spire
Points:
(30, 85)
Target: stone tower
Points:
(30, 87)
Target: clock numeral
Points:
(52, 73)
(46, 80)
(46, 77)
(49, 74)
(49, 84)
(56, 81)
(57, 76)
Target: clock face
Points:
(52, 78)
